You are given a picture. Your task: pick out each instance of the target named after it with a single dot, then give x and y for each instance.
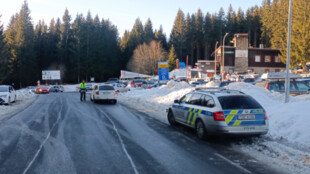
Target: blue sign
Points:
(182, 65)
(163, 71)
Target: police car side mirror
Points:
(176, 101)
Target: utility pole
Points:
(224, 54)
(215, 57)
(287, 79)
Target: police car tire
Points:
(171, 118)
(201, 130)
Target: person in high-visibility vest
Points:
(83, 90)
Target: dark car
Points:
(296, 87)
(112, 80)
(250, 80)
(56, 89)
(225, 83)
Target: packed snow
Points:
(24, 98)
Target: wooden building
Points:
(242, 58)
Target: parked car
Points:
(219, 111)
(137, 83)
(31, 89)
(105, 92)
(225, 83)
(296, 87)
(7, 94)
(42, 90)
(56, 88)
(194, 84)
(249, 80)
(89, 86)
(181, 79)
(120, 87)
(112, 80)
(305, 80)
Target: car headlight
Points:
(4, 96)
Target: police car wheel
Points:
(171, 118)
(201, 130)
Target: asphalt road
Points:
(60, 134)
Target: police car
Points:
(219, 111)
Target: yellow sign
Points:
(163, 66)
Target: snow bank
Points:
(71, 88)
(177, 73)
(24, 98)
(288, 121)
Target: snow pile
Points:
(24, 98)
(286, 120)
(71, 88)
(177, 73)
(155, 101)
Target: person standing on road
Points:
(83, 90)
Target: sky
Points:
(121, 13)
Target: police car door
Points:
(179, 108)
(191, 109)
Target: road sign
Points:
(50, 75)
(163, 71)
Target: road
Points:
(60, 134)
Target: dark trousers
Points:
(83, 96)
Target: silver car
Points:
(219, 111)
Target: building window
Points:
(277, 59)
(267, 59)
(257, 58)
(277, 70)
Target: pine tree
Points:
(148, 31)
(161, 36)
(177, 37)
(3, 55)
(172, 58)
(20, 40)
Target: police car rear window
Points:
(4, 89)
(106, 88)
(238, 102)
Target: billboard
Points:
(163, 71)
(50, 75)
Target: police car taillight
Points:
(218, 116)
(97, 93)
(266, 117)
(115, 92)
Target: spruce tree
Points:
(172, 58)
(177, 37)
(148, 31)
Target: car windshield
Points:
(4, 89)
(249, 80)
(43, 87)
(224, 84)
(138, 81)
(106, 88)
(238, 102)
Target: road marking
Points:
(122, 143)
(43, 143)
(232, 163)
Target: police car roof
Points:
(219, 91)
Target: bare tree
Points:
(146, 57)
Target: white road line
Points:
(232, 163)
(43, 143)
(123, 145)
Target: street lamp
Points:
(215, 58)
(224, 53)
(287, 79)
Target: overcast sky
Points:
(121, 13)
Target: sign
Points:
(92, 79)
(50, 75)
(229, 52)
(182, 65)
(163, 71)
(241, 53)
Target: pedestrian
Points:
(83, 90)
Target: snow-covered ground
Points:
(24, 98)
(71, 88)
(289, 135)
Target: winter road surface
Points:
(60, 134)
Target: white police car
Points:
(219, 111)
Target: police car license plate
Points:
(246, 117)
